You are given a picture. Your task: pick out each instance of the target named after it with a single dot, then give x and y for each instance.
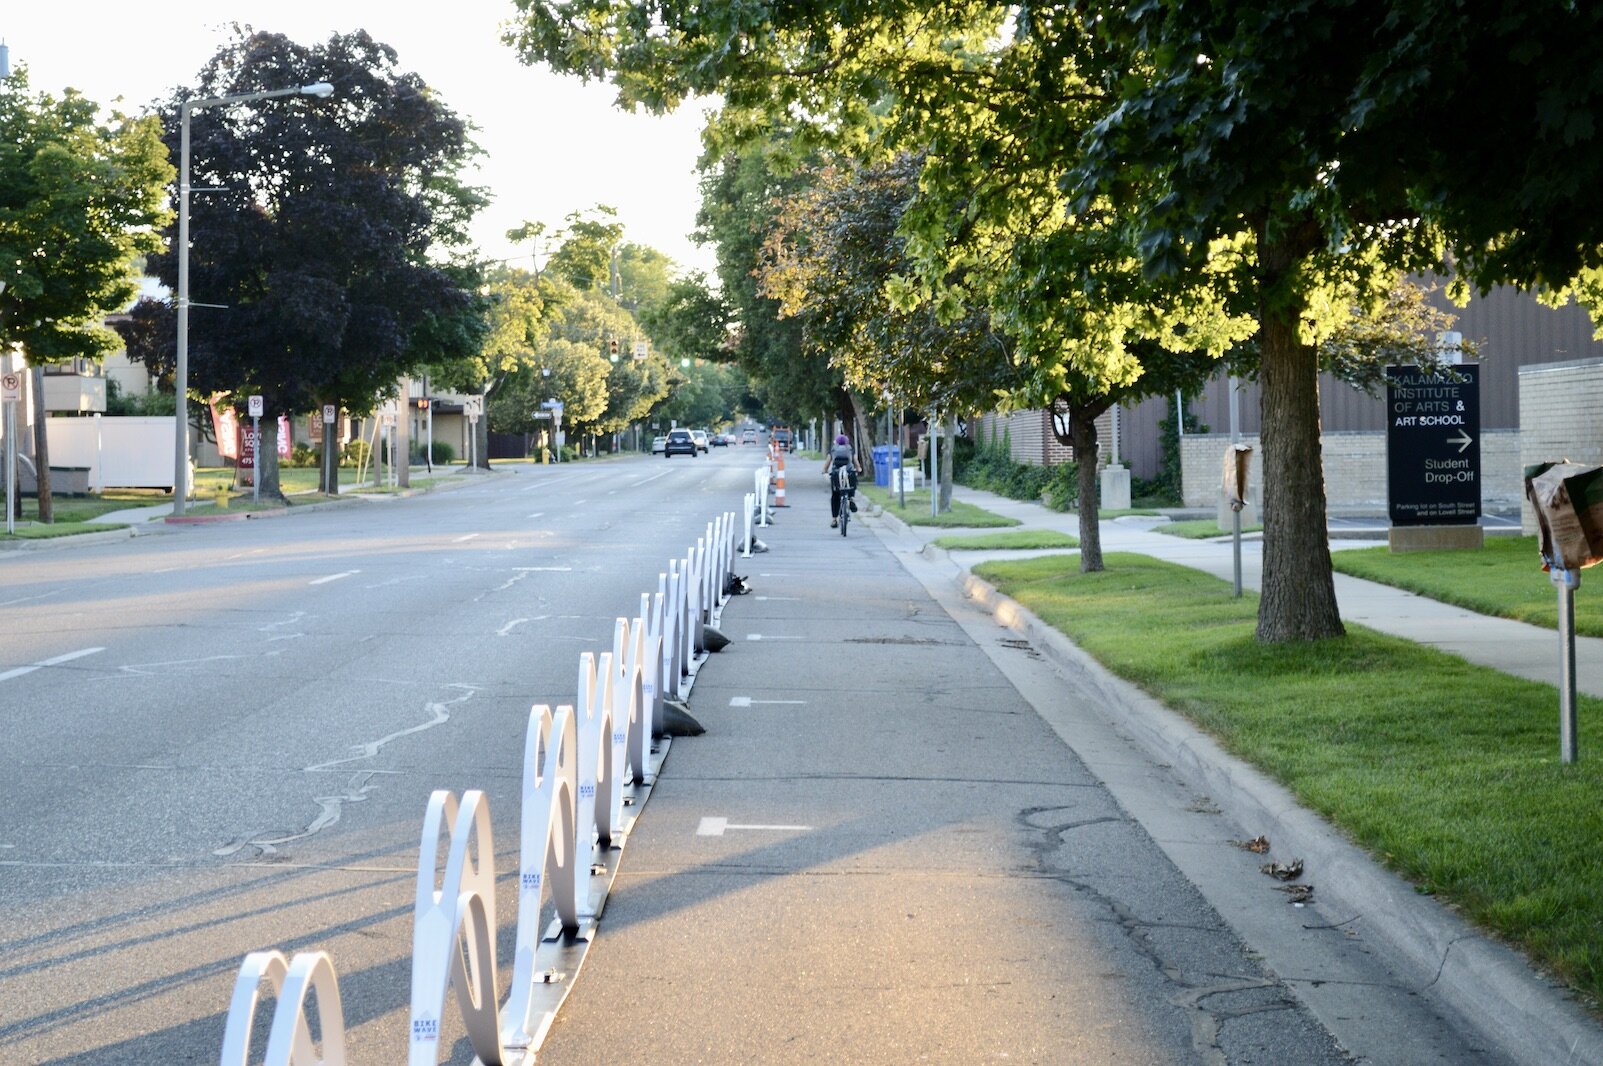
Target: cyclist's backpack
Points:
(843, 477)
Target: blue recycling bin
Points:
(882, 464)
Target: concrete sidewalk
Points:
(1527, 651)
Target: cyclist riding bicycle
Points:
(841, 456)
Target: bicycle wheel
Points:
(845, 516)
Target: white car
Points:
(658, 444)
(700, 437)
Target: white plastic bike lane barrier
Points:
(588, 770)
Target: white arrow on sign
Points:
(1463, 440)
(747, 701)
(714, 827)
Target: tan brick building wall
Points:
(1031, 438)
(1561, 417)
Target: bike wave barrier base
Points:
(588, 769)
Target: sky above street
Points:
(552, 145)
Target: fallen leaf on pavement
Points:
(1296, 893)
(1283, 871)
(1257, 845)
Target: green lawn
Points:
(1447, 772)
(1024, 539)
(917, 511)
(1505, 579)
(1199, 529)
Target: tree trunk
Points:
(481, 442)
(1083, 439)
(948, 437)
(267, 459)
(1298, 600)
(41, 449)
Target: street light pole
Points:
(181, 360)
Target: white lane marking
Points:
(747, 701)
(538, 514)
(580, 503)
(41, 664)
(653, 477)
(152, 668)
(241, 555)
(776, 599)
(462, 539)
(167, 570)
(715, 827)
(332, 577)
(25, 599)
(504, 630)
(439, 715)
(759, 636)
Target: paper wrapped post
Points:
(1238, 461)
(1568, 499)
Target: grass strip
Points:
(1199, 529)
(1447, 772)
(35, 531)
(917, 512)
(1022, 539)
(1504, 579)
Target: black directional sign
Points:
(1433, 446)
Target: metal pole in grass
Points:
(1566, 581)
(1235, 506)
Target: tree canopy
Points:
(81, 198)
(1096, 172)
(325, 228)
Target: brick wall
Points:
(1561, 417)
(1031, 437)
(1354, 467)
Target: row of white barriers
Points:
(587, 771)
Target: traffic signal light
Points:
(420, 402)
(612, 348)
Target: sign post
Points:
(555, 409)
(255, 408)
(10, 395)
(473, 406)
(1433, 457)
(331, 463)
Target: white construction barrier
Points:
(588, 770)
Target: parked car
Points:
(700, 437)
(658, 444)
(748, 436)
(680, 442)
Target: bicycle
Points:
(840, 482)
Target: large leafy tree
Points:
(1349, 142)
(741, 195)
(81, 197)
(325, 228)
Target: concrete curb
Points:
(1528, 1018)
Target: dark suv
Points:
(680, 442)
